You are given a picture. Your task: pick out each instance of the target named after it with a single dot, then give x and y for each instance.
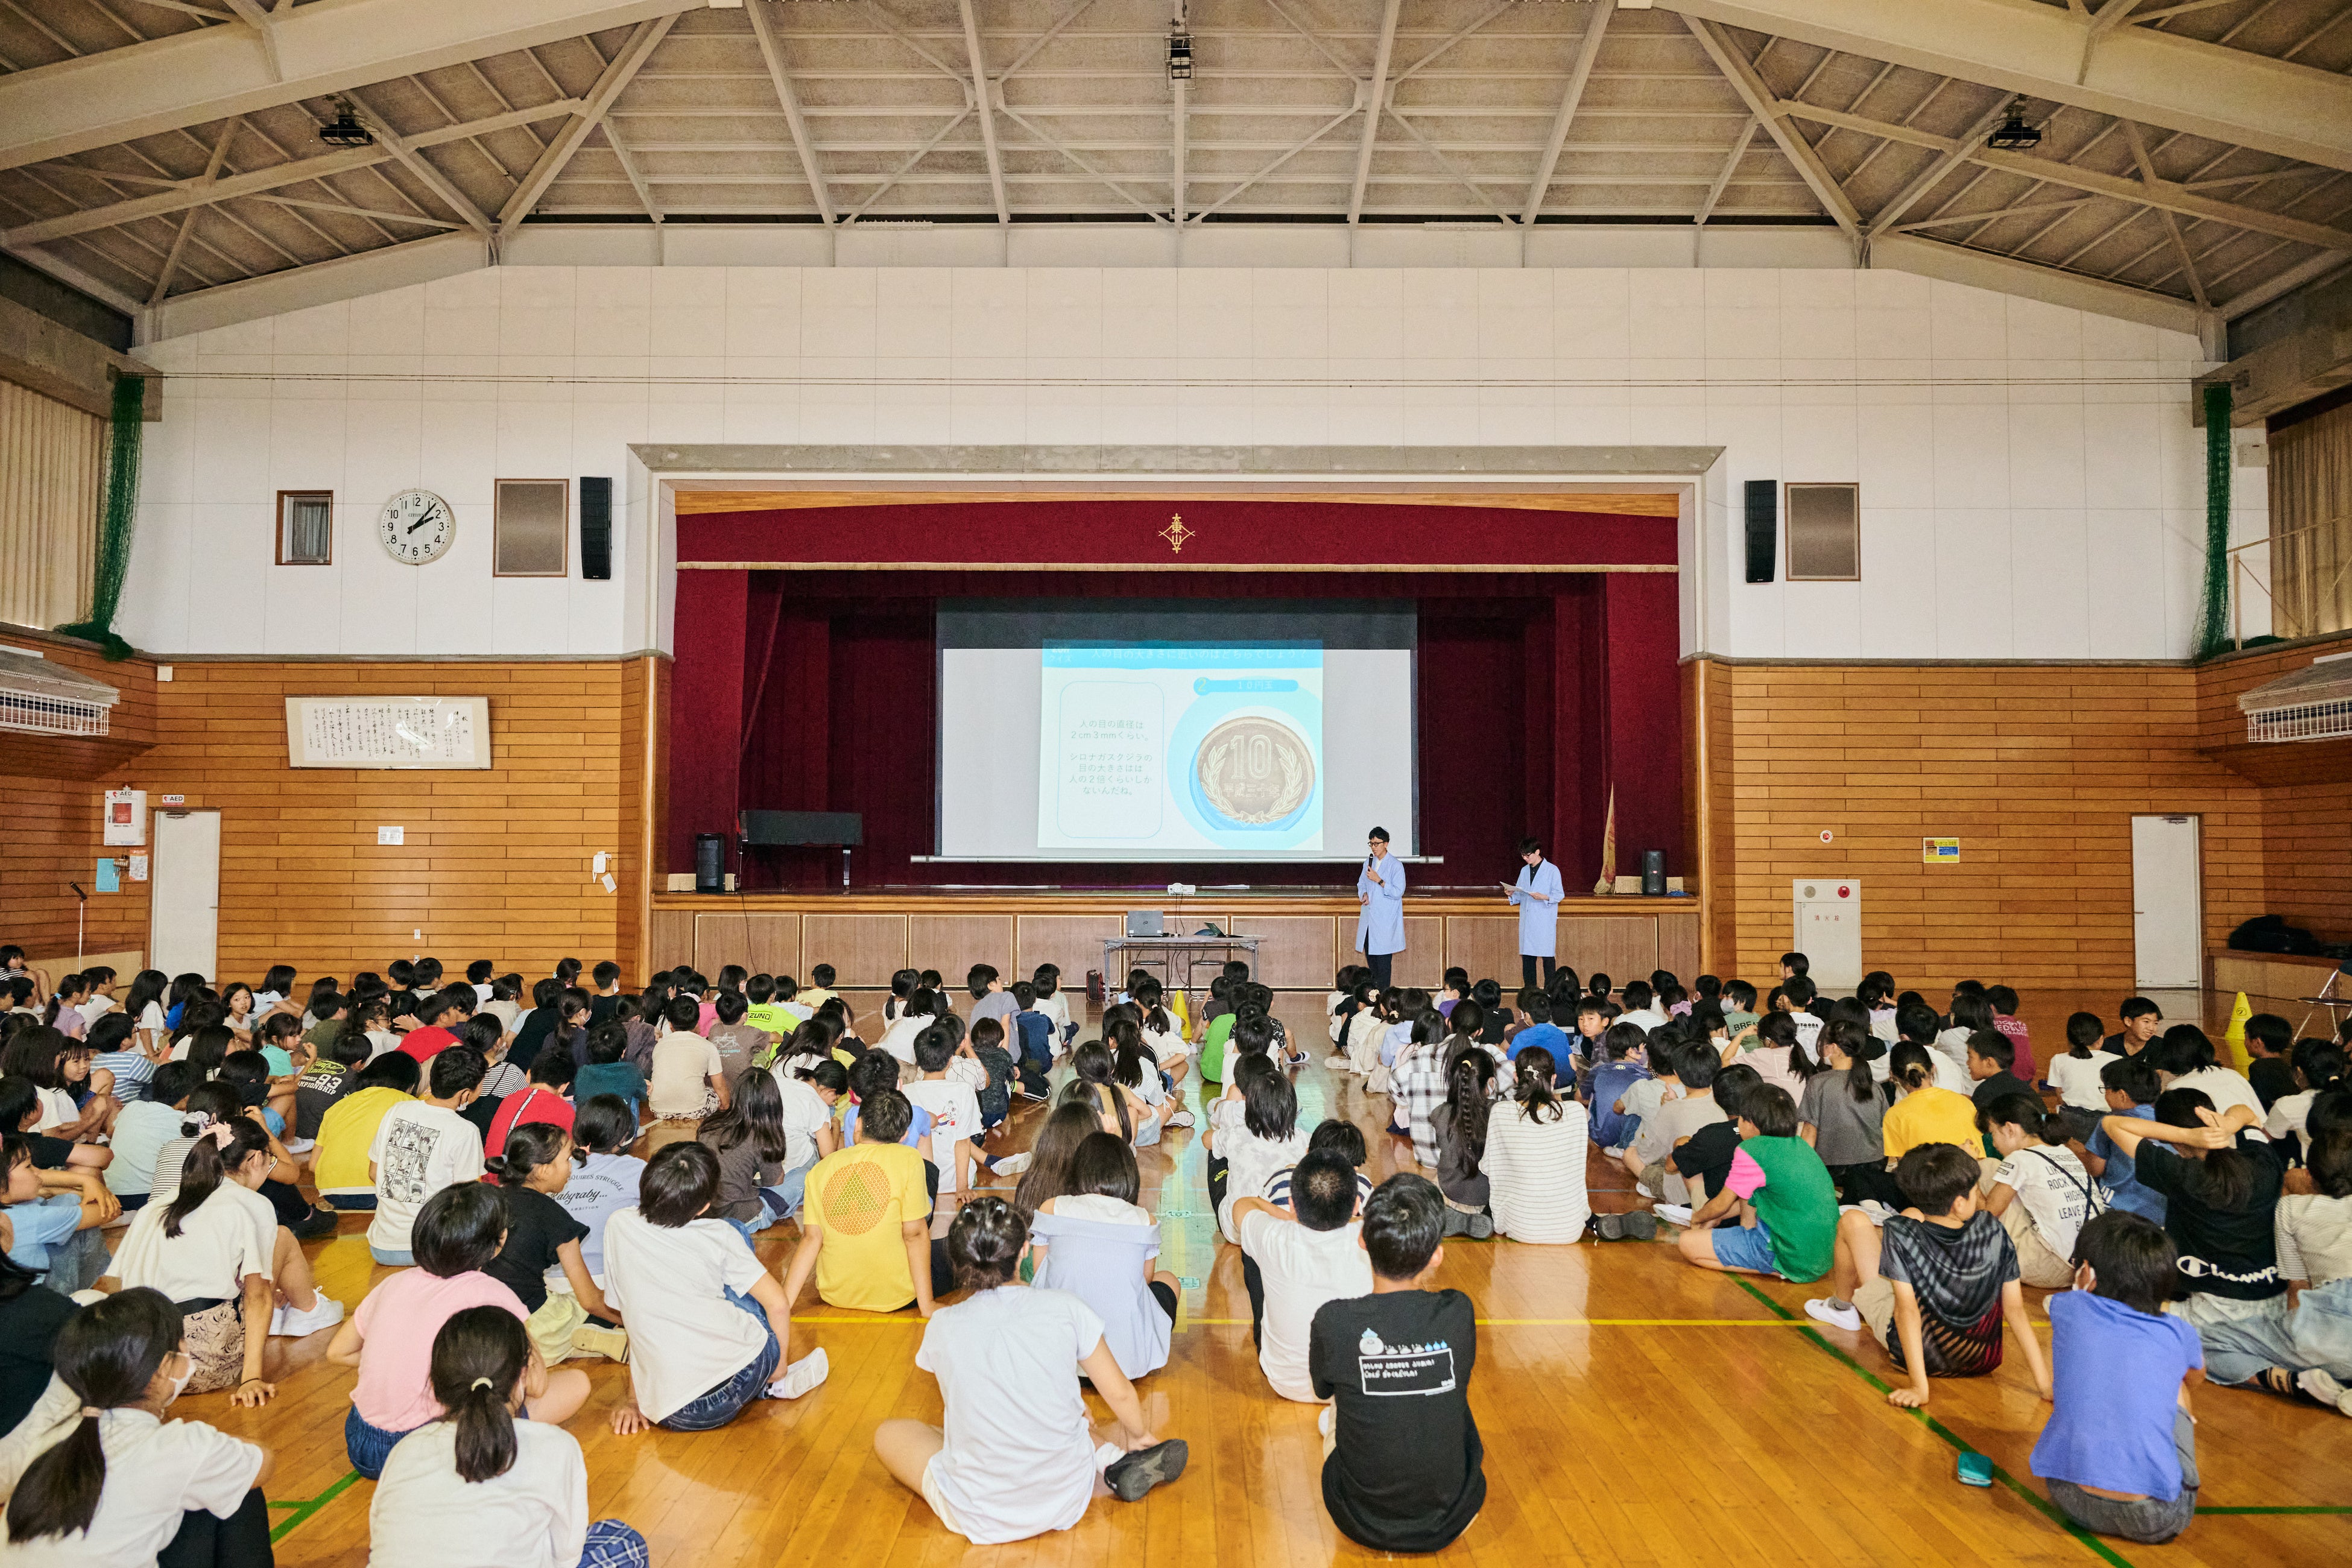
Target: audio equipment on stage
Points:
(1654, 873)
(823, 829)
(596, 530)
(1763, 524)
(709, 862)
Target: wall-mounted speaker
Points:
(596, 530)
(1763, 526)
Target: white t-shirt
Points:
(686, 1338)
(1250, 1162)
(601, 1187)
(1303, 1269)
(1056, 1007)
(1019, 1459)
(1949, 1074)
(2076, 1079)
(150, 1019)
(2056, 1190)
(1100, 1207)
(156, 1471)
(2289, 1113)
(955, 1116)
(2225, 1086)
(94, 1009)
(419, 1149)
(899, 1039)
(232, 1234)
(683, 1065)
(1809, 1030)
(805, 1115)
(533, 1516)
(57, 1110)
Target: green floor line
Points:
(2041, 1505)
(302, 1511)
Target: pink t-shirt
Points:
(397, 1322)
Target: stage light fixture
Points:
(1180, 56)
(2013, 134)
(346, 130)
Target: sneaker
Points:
(1012, 1164)
(1337, 1064)
(300, 1145)
(799, 1377)
(1827, 1310)
(1034, 1096)
(1674, 1214)
(1636, 1225)
(1180, 1119)
(1476, 1226)
(1131, 1477)
(293, 1323)
(2318, 1383)
(613, 1344)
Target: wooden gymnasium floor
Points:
(1635, 1411)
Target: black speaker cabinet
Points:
(1654, 873)
(1763, 528)
(596, 530)
(709, 863)
(828, 829)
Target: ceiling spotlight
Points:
(346, 130)
(1180, 56)
(2013, 134)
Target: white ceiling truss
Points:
(2193, 150)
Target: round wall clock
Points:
(415, 527)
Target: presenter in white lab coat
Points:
(1537, 896)
(1380, 889)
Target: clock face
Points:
(415, 527)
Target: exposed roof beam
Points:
(983, 98)
(2171, 221)
(1774, 113)
(1579, 71)
(188, 224)
(763, 28)
(1982, 270)
(1374, 101)
(1928, 178)
(1730, 164)
(204, 192)
(2162, 195)
(2136, 73)
(250, 12)
(903, 170)
(327, 47)
(591, 109)
(405, 153)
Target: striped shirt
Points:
(1535, 1174)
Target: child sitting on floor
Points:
(2119, 1452)
(1936, 1290)
(1778, 1191)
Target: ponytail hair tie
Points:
(90, 1413)
(220, 1132)
(481, 1383)
(193, 1122)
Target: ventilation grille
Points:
(2311, 704)
(39, 698)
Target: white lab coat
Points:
(1538, 898)
(1380, 927)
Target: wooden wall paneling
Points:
(1072, 942)
(864, 950)
(764, 943)
(953, 944)
(1679, 945)
(1423, 962)
(669, 941)
(1293, 951)
(1485, 945)
(1622, 947)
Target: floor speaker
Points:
(596, 530)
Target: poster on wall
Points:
(388, 732)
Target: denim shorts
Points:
(368, 1445)
(1738, 1247)
(720, 1406)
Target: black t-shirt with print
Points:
(536, 1226)
(1707, 1155)
(2228, 1252)
(1407, 1473)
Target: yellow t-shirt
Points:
(860, 1196)
(346, 1134)
(1930, 1115)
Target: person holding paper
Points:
(1379, 888)
(1538, 894)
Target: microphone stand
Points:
(81, 917)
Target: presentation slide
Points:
(1173, 747)
(1164, 730)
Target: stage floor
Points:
(1635, 1411)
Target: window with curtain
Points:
(2311, 525)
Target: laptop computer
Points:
(1146, 922)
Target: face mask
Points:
(181, 1381)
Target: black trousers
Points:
(207, 1541)
(1528, 962)
(1380, 965)
(1254, 1281)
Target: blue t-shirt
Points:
(2121, 1178)
(2115, 1376)
(916, 1130)
(1550, 1036)
(39, 1226)
(1611, 1130)
(621, 1078)
(1398, 1037)
(133, 1071)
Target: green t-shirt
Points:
(1212, 1048)
(1795, 1199)
(771, 1017)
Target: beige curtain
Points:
(2311, 526)
(52, 466)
